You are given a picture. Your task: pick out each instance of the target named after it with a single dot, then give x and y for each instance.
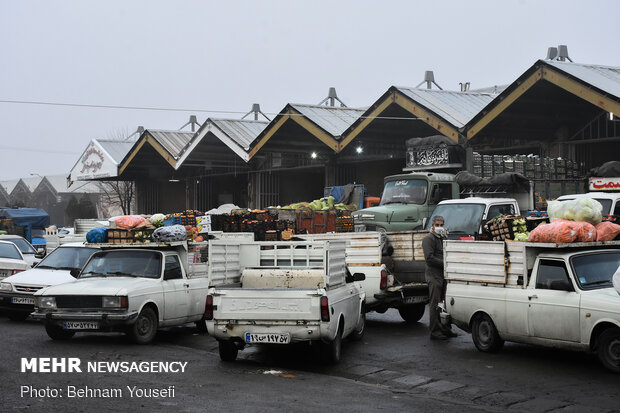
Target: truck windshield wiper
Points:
(120, 274)
(596, 282)
(92, 274)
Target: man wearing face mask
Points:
(433, 255)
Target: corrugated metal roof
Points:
(172, 141)
(333, 120)
(9, 185)
(116, 149)
(457, 108)
(32, 182)
(241, 131)
(605, 78)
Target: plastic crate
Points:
(129, 236)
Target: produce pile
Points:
(321, 204)
(507, 227)
(580, 210)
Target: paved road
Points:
(394, 368)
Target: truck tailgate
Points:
(267, 304)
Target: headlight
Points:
(6, 287)
(370, 217)
(45, 302)
(114, 302)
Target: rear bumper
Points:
(229, 330)
(397, 296)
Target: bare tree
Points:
(118, 194)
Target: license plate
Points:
(80, 325)
(414, 299)
(22, 300)
(267, 338)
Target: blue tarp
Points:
(28, 218)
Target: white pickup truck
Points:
(126, 287)
(556, 295)
(282, 292)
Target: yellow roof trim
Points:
(133, 153)
(581, 91)
(507, 101)
(316, 131)
(432, 120)
(156, 145)
(269, 134)
(364, 123)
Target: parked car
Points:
(11, 260)
(16, 292)
(31, 255)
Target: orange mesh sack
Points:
(607, 231)
(129, 221)
(585, 232)
(559, 231)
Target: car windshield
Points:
(595, 270)
(606, 203)
(459, 218)
(116, 263)
(9, 250)
(22, 244)
(405, 191)
(67, 258)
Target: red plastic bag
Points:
(129, 221)
(559, 231)
(607, 231)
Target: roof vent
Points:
(552, 53)
(429, 79)
(331, 99)
(256, 111)
(134, 136)
(563, 53)
(464, 86)
(193, 122)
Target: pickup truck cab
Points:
(131, 288)
(280, 293)
(465, 217)
(556, 295)
(17, 291)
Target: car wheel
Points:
(412, 313)
(608, 349)
(332, 349)
(228, 350)
(360, 328)
(143, 331)
(485, 335)
(18, 315)
(56, 332)
(201, 326)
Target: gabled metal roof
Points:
(334, 120)
(116, 149)
(457, 108)
(605, 78)
(32, 182)
(172, 141)
(243, 132)
(9, 185)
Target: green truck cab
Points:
(406, 200)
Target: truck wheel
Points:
(228, 350)
(485, 335)
(144, 329)
(608, 349)
(58, 333)
(18, 315)
(201, 326)
(360, 328)
(332, 350)
(412, 313)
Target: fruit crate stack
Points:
(129, 236)
(344, 224)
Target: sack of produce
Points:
(559, 231)
(586, 232)
(128, 221)
(97, 235)
(170, 234)
(607, 231)
(555, 210)
(581, 209)
(158, 220)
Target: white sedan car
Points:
(11, 260)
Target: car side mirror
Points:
(41, 253)
(358, 276)
(74, 272)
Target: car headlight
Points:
(45, 302)
(114, 302)
(6, 287)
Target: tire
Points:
(412, 313)
(18, 315)
(201, 326)
(143, 331)
(228, 350)
(360, 328)
(608, 349)
(333, 349)
(485, 335)
(58, 333)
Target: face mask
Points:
(439, 230)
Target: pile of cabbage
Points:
(581, 210)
